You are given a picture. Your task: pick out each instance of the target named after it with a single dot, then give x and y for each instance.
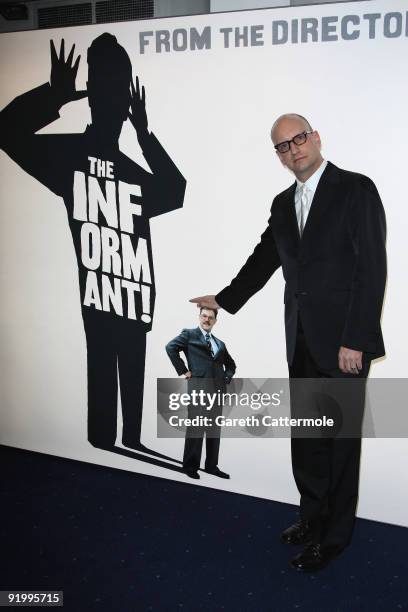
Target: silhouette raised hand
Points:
(63, 75)
(137, 114)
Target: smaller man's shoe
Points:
(313, 558)
(299, 533)
(217, 472)
(192, 474)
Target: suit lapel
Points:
(323, 198)
(200, 336)
(288, 206)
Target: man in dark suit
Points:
(327, 231)
(210, 366)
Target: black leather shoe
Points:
(192, 474)
(299, 533)
(217, 472)
(313, 558)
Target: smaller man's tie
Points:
(304, 200)
(208, 341)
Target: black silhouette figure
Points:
(109, 200)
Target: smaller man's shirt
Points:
(213, 343)
(311, 186)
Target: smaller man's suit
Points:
(210, 372)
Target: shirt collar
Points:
(204, 332)
(313, 180)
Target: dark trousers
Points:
(115, 352)
(326, 469)
(193, 449)
(195, 435)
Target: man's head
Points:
(109, 76)
(302, 159)
(208, 318)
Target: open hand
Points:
(206, 301)
(137, 113)
(63, 75)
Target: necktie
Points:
(207, 339)
(304, 204)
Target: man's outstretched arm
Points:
(253, 275)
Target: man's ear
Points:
(316, 138)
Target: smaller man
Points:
(210, 366)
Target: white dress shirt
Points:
(311, 186)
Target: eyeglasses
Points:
(209, 317)
(299, 139)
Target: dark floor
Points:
(115, 540)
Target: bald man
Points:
(327, 231)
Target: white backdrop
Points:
(212, 109)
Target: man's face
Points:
(207, 320)
(303, 160)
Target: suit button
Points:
(302, 292)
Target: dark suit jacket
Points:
(200, 363)
(335, 274)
